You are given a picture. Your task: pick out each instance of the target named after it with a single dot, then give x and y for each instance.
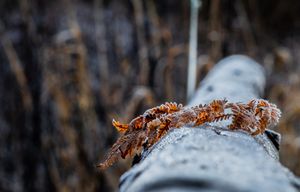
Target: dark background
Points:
(68, 67)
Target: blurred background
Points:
(68, 67)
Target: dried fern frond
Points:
(243, 119)
(119, 126)
(166, 108)
(126, 145)
(218, 106)
(268, 111)
(222, 117)
(147, 129)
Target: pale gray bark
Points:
(211, 157)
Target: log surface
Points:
(211, 157)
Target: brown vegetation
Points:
(147, 129)
(68, 67)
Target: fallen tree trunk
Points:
(211, 157)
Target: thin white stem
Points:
(192, 65)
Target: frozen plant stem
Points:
(192, 72)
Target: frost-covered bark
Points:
(211, 157)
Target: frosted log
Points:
(211, 157)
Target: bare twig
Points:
(143, 51)
(215, 27)
(102, 48)
(17, 70)
(246, 28)
(140, 95)
(155, 29)
(192, 68)
(173, 52)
